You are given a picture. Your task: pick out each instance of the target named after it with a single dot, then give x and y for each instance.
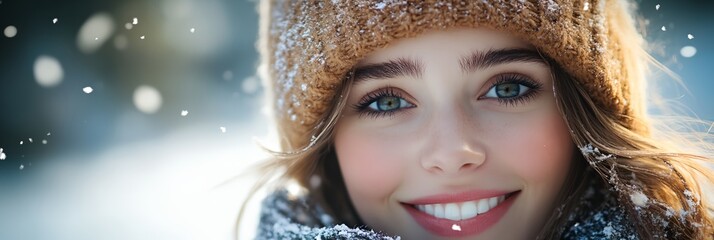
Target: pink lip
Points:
(458, 197)
(468, 227)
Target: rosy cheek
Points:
(540, 153)
(370, 164)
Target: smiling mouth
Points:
(462, 210)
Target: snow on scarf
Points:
(287, 217)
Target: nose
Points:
(452, 146)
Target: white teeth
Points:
(429, 209)
(483, 206)
(492, 202)
(438, 211)
(461, 210)
(451, 211)
(468, 210)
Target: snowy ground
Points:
(169, 188)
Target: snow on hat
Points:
(309, 46)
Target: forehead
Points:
(445, 44)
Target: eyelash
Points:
(362, 107)
(534, 88)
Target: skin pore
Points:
(452, 117)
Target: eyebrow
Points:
(475, 61)
(391, 69)
(480, 60)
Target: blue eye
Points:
(383, 102)
(512, 88)
(389, 103)
(507, 90)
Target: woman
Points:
(470, 119)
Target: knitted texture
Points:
(309, 46)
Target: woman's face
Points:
(453, 134)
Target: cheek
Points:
(370, 166)
(540, 149)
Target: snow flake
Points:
(30, 139)
(44, 141)
(94, 32)
(142, 37)
(589, 150)
(639, 198)
(303, 87)
(49, 133)
(223, 129)
(293, 117)
(192, 30)
(664, 29)
(586, 6)
(456, 227)
(10, 31)
(128, 26)
(48, 71)
(21, 142)
(184, 113)
(690, 36)
(54, 20)
(2, 155)
(380, 5)
(147, 99)
(657, 7)
(135, 21)
(688, 51)
(22, 166)
(87, 90)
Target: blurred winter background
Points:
(130, 119)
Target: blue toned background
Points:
(173, 108)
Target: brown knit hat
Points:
(308, 47)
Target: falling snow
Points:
(48, 71)
(688, 51)
(22, 166)
(22, 142)
(54, 20)
(95, 32)
(10, 31)
(128, 26)
(87, 90)
(147, 99)
(142, 37)
(184, 113)
(192, 30)
(223, 129)
(664, 29)
(657, 7)
(135, 21)
(30, 139)
(2, 154)
(44, 141)
(690, 36)
(456, 227)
